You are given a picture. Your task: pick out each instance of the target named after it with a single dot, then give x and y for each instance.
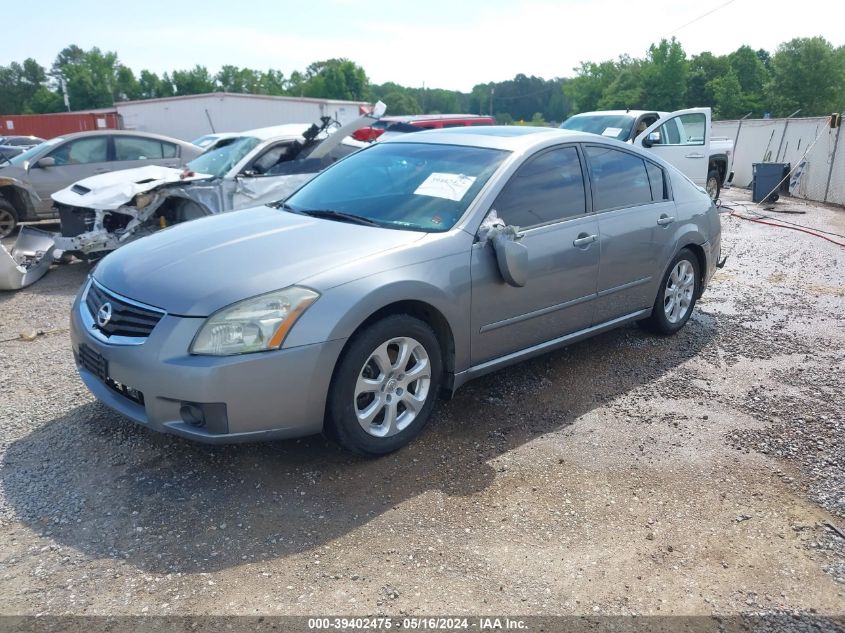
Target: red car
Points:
(424, 121)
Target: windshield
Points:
(412, 186)
(223, 156)
(32, 152)
(616, 126)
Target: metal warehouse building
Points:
(192, 116)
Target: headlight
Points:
(253, 325)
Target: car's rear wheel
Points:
(714, 184)
(385, 386)
(8, 218)
(677, 295)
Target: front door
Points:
(547, 199)
(682, 139)
(74, 160)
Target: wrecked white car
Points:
(101, 213)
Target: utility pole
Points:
(492, 90)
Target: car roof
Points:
(150, 135)
(633, 113)
(265, 133)
(505, 137)
(434, 117)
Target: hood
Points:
(114, 189)
(196, 268)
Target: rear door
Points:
(138, 151)
(632, 202)
(547, 199)
(682, 139)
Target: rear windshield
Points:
(412, 186)
(616, 126)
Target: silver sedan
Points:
(391, 279)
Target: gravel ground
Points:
(699, 474)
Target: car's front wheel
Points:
(385, 386)
(8, 218)
(677, 295)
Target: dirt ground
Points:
(697, 474)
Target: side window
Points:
(547, 188)
(169, 150)
(686, 129)
(82, 151)
(270, 160)
(619, 178)
(657, 180)
(136, 148)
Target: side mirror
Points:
(511, 256)
(47, 161)
(653, 138)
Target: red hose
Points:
(786, 226)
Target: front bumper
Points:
(262, 396)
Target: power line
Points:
(701, 17)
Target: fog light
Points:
(192, 414)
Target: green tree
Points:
(665, 76)
(93, 77)
(807, 73)
(626, 89)
(44, 101)
(336, 79)
(752, 76)
(195, 81)
(703, 69)
(401, 103)
(727, 93)
(589, 84)
(151, 86)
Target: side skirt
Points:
(542, 348)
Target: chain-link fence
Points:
(819, 174)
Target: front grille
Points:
(93, 362)
(127, 319)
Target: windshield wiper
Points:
(331, 214)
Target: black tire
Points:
(8, 218)
(714, 184)
(341, 420)
(659, 322)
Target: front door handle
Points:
(694, 155)
(665, 220)
(584, 239)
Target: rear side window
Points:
(547, 188)
(135, 148)
(619, 179)
(657, 180)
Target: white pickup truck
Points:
(683, 139)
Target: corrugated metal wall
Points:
(786, 141)
(188, 118)
(50, 125)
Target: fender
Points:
(27, 199)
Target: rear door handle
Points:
(584, 239)
(694, 155)
(665, 220)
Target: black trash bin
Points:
(765, 180)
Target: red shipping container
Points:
(49, 125)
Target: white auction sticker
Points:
(611, 131)
(447, 186)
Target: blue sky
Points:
(453, 44)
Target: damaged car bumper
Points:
(28, 260)
(252, 397)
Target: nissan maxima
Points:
(390, 280)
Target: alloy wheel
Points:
(677, 296)
(7, 223)
(392, 387)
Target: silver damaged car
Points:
(389, 280)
